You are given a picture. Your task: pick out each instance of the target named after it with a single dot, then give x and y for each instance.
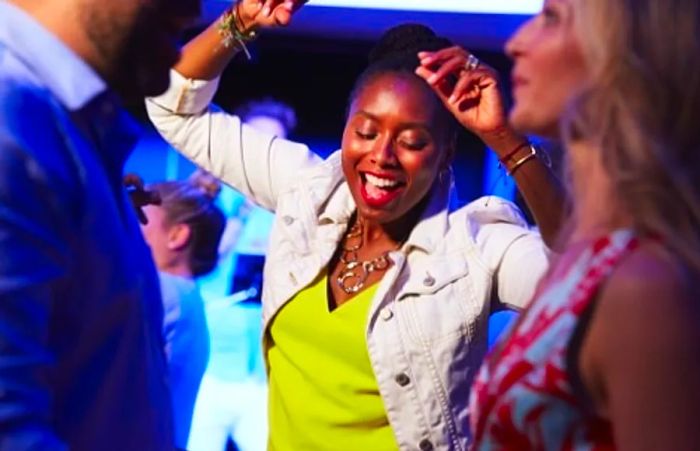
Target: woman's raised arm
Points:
(206, 56)
(471, 91)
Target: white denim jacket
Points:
(427, 326)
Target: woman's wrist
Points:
(502, 141)
(235, 30)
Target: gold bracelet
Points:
(521, 162)
(534, 153)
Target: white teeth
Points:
(380, 182)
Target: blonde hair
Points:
(642, 109)
(191, 202)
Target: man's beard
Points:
(128, 50)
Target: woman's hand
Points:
(256, 14)
(472, 94)
(206, 56)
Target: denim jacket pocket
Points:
(434, 305)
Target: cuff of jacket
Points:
(186, 96)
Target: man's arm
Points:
(34, 259)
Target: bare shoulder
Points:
(651, 285)
(649, 308)
(640, 361)
(646, 313)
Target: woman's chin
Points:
(528, 123)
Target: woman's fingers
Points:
(278, 12)
(425, 74)
(472, 84)
(453, 66)
(465, 88)
(269, 6)
(445, 63)
(283, 14)
(439, 56)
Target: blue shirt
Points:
(186, 347)
(235, 328)
(81, 352)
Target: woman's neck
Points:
(597, 207)
(394, 232)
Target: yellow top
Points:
(323, 393)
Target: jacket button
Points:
(402, 379)
(386, 314)
(429, 281)
(288, 220)
(425, 445)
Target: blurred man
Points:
(81, 359)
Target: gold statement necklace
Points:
(354, 274)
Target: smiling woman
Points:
(376, 293)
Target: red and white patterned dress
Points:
(523, 398)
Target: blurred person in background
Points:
(232, 400)
(81, 357)
(183, 231)
(247, 226)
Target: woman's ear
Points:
(179, 237)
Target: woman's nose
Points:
(384, 153)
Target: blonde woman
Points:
(608, 354)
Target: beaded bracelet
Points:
(230, 33)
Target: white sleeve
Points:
(516, 255)
(254, 163)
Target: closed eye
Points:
(550, 16)
(363, 135)
(419, 145)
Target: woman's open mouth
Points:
(379, 190)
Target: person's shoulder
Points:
(13, 68)
(650, 269)
(651, 288)
(17, 79)
(490, 215)
(28, 114)
(27, 125)
(33, 131)
(492, 210)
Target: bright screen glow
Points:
(459, 6)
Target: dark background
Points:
(315, 75)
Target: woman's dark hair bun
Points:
(406, 40)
